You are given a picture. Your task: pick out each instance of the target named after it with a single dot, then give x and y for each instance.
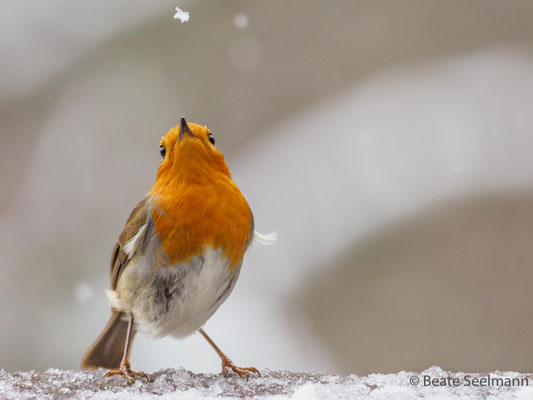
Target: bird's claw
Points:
(228, 366)
(127, 373)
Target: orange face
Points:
(195, 202)
(191, 157)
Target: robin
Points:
(179, 255)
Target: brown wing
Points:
(107, 350)
(135, 221)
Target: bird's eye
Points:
(211, 139)
(162, 151)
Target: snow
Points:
(273, 385)
(240, 21)
(84, 293)
(183, 16)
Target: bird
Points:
(179, 255)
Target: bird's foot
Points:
(127, 373)
(228, 366)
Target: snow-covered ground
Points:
(182, 384)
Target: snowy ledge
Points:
(181, 384)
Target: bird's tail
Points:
(107, 350)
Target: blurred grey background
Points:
(387, 143)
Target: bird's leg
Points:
(227, 364)
(124, 368)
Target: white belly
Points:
(174, 300)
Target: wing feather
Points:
(135, 228)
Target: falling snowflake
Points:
(240, 21)
(183, 16)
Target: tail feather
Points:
(107, 350)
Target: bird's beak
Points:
(184, 128)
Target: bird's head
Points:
(195, 203)
(189, 154)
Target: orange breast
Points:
(190, 216)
